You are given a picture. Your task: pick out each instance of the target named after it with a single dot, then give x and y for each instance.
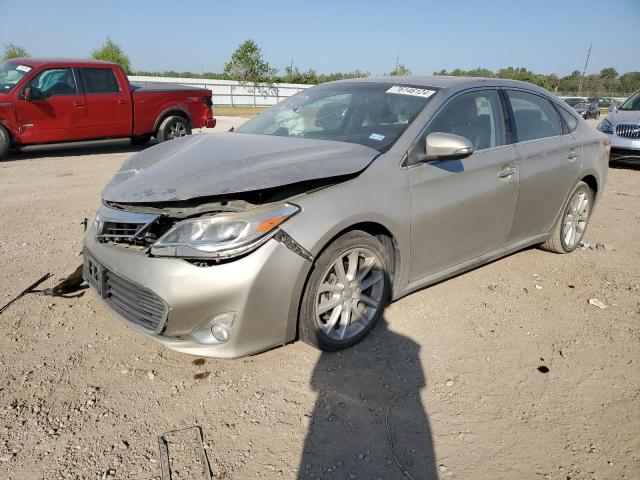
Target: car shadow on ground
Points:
(54, 151)
(368, 421)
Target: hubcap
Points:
(575, 220)
(176, 129)
(350, 294)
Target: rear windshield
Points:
(10, 74)
(368, 113)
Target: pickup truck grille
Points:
(628, 131)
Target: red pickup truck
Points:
(51, 101)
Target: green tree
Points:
(247, 65)
(112, 52)
(630, 82)
(480, 72)
(293, 75)
(400, 71)
(609, 73)
(11, 50)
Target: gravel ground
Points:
(504, 372)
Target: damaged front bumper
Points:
(256, 296)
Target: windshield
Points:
(584, 106)
(631, 103)
(368, 113)
(10, 74)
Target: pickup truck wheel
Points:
(141, 140)
(173, 127)
(5, 142)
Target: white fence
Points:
(230, 92)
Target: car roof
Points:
(452, 83)
(37, 62)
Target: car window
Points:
(569, 119)
(477, 116)
(534, 115)
(100, 80)
(52, 82)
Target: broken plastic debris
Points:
(597, 303)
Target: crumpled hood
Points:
(205, 165)
(624, 116)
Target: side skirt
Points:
(469, 265)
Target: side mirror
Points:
(446, 146)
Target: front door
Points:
(56, 110)
(462, 209)
(549, 163)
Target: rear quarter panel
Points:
(595, 155)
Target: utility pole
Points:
(584, 70)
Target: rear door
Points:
(462, 209)
(56, 111)
(548, 162)
(109, 109)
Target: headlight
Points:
(224, 235)
(605, 127)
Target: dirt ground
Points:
(452, 376)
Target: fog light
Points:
(220, 332)
(217, 329)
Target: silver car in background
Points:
(307, 220)
(622, 126)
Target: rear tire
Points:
(346, 293)
(141, 140)
(173, 127)
(5, 143)
(573, 222)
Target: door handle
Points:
(507, 172)
(78, 105)
(123, 102)
(572, 156)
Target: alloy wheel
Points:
(176, 129)
(575, 220)
(350, 294)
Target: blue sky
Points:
(542, 35)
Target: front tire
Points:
(346, 292)
(5, 143)
(572, 225)
(173, 127)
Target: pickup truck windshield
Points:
(368, 113)
(10, 74)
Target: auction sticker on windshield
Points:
(416, 92)
(23, 68)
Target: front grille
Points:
(135, 303)
(627, 130)
(120, 230)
